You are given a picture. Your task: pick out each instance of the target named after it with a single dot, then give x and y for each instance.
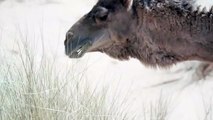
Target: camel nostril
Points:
(69, 35)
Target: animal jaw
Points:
(80, 50)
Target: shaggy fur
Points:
(159, 32)
(169, 33)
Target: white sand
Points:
(48, 23)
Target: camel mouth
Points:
(79, 50)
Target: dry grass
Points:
(32, 89)
(157, 109)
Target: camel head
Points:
(108, 24)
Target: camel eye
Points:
(101, 14)
(102, 18)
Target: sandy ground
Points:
(44, 26)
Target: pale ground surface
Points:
(187, 98)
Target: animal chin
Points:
(80, 50)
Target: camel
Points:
(159, 33)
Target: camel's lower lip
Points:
(80, 51)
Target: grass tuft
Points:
(37, 89)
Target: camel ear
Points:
(128, 4)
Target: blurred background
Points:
(38, 82)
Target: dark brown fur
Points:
(160, 33)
